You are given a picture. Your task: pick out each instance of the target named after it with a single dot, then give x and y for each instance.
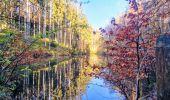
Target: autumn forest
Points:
(51, 50)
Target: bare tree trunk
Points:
(11, 15)
(11, 18)
(70, 39)
(51, 14)
(50, 22)
(64, 38)
(55, 33)
(60, 33)
(138, 69)
(39, 23)
(44, 25)
(19, 18)
(26, 35)
(34, 28)
(65, 26)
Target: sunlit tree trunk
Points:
(54, 27)
(64, 33)
(64, 25)
(55, 33)
(50, 27)
(70, 38)
(34, 27)
(26, 35)
(39, 22)
(51, 1)
(44, 16)
(11, 14)
(60, 33)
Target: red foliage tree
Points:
(132, 52)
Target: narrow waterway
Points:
(68, 79)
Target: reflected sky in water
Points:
(97, 90)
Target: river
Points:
(69, 79)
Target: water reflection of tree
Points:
(125, 87)
(123, 82)
(65, 80)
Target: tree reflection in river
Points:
(67, 80)
(63, 81)
(117, 78)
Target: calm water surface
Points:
(66, 80)
(98, 90)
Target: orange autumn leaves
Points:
(131, 50)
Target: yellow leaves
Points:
(45, 40)
(71, 12)
(88, 70)
(63, 12)
(3, 25)
(58, 9)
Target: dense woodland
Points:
(33, 31)
(59, 21)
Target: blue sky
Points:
(100, 12)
